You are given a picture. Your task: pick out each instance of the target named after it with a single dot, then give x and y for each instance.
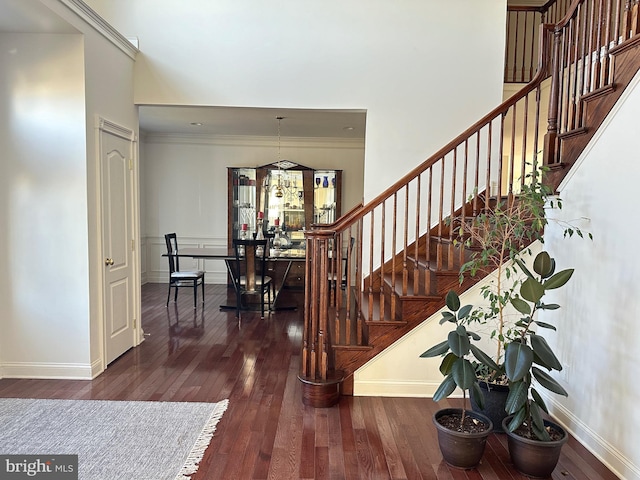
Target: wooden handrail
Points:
(361, 209)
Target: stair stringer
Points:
(597, 105)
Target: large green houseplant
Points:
(527, 356)
(462, 433)
(499, 238)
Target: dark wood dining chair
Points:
(249, 276)
(179, 278)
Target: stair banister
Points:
(407, 232)
(320, 382)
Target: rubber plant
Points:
(528, 354)
(456, 367)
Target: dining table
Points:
(288, 256)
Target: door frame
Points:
(102, 126)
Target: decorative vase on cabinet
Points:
(327, 197)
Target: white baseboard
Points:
(379, 388)
(609, 455)
(97, 368)
(51, 371)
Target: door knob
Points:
(108, 261)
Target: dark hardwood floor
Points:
(267, 432)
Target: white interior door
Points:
(116, 158)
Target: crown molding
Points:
(89, 16)
(253, 141)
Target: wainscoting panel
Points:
(155, 267)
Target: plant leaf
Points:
(517, 397)
(484, 358)
(544, 325)
(518, 359)
(473, 335)
(541, 433)
(538, 399)
(543, 264)
(463, 373)
(448, 317)
(464, 311)
(521, 306)
(548, 382)
(436, 350)
(523, 267)
(559, 279)
(478, 395)
(447, 363)
(542, 349)
(549, 306)
(536, 416)
(445, 389)
(459, 341)
(517, 419)
(453, 301)
(531, 290)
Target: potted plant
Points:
(462, 433)
(499, 238)
(534, 443)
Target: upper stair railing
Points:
(582, 46)
(523, 28)
(360, 267)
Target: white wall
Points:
(598, 341)
(109, 95)
(184, 185)
(43, 205)
(52, 88)
(415, 66)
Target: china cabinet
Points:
(284, 199)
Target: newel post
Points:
(320, 383)
(551, 152)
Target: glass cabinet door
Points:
(243, 201)
(284, 203)
(325, 190)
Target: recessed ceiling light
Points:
(196, 124)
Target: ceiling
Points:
(31, 16)
(346, 124)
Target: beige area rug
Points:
(113, 440)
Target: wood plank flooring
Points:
(266, 432)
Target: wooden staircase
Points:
(405, 257)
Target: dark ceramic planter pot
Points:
(534, 458)
(461, 450)
(495, 399)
